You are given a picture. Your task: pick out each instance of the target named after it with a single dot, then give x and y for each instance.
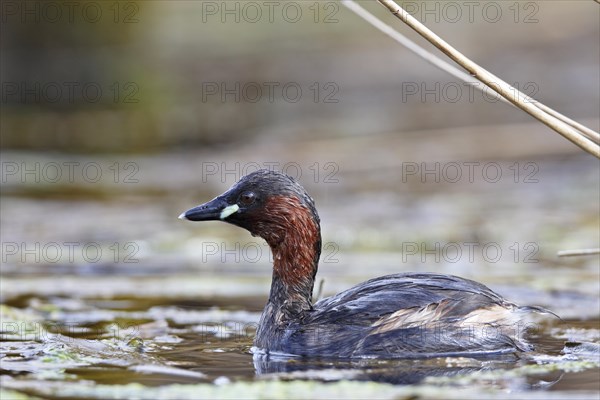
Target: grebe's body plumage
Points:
(402, 315)
(394, 316)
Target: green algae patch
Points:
(20, 325)
(14, 395)
(238, 390)
(479, 377)
(269, 390)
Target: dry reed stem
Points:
(580, 252)
(558, 122)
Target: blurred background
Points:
(117, 116)
(145, 72)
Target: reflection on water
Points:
(403, 372)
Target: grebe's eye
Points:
(247, 198)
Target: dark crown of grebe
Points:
(394, 316)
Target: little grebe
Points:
(401, 315)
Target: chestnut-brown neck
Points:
(294, 236)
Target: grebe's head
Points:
(269, 204)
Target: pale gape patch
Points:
(227, 211)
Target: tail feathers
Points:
(539, 310)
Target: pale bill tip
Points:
(227, 211)
(182, 216)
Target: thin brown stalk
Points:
(502, 88)
(452, 70)
(580, 252)
(505, 90)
